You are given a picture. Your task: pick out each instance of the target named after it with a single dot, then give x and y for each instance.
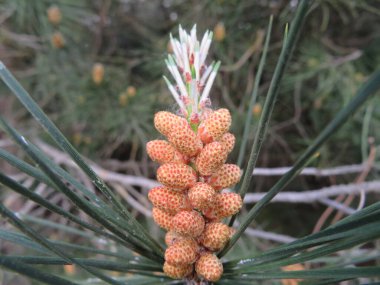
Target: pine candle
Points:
(191, 205)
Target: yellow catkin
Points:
(69, 269)
(293, 267)
(123, 99)
(219, 32)
(209, 267)
(54, 15)
(192, 153)
(98, 73)
(256, 110)
(131, 91)
(57, 40)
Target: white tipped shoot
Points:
(206, 73)
(192, 76)
(210, 81)
(174, 93)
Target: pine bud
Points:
(163, 219)
(211, 158)
(209, 267)
(177, 272)
(176, 176)
(215, 126)
(228, 141)
(164, 122)
(201, 195)
(181, 252)
(189, 223)
(168, 200)
(226, 176)
(227, 204)
(215, 236)
(185, 140)
(160, 151)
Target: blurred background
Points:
(95, 67)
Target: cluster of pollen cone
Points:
(190, 205)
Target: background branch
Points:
(318, 194)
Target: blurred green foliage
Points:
(113, 118)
